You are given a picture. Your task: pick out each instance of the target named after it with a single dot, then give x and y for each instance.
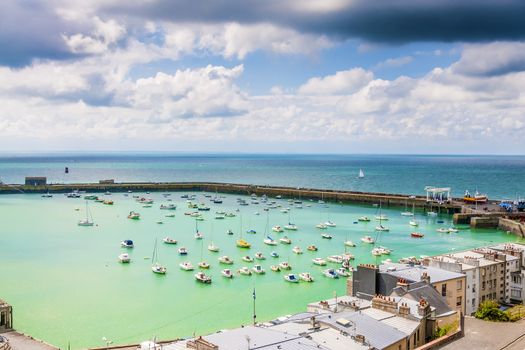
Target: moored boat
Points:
(291, 278)
(227, 273)
(127, 243)
(186, 266)
(285, 240)
(306, 276)
(330, 273)
(202, 277)
(169, 240)
(124, 258)
(417, 235)
(225, 260)
(319, 261)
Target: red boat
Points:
(417, 235)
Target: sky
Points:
(273, 76)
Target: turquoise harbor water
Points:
(66, 285)
(498, 176)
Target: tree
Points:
(489, 311)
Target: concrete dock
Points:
(20, 341)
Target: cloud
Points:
(394, 62)
(343, 82)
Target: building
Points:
(516, 269)
(369, 280)
(6, 317)
(36, 181)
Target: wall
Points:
(512, 226)
(453, 292)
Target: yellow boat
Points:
(241, 243)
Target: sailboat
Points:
(406, 212)
(212, 247)
(86, 221)
(413, 222)
(361, 174)
(157, 268)
(241, 243)
(381, 217)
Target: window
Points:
(459, 284)
(482, 272)
(458, 301)
(473, 302)
(473, 288)
(444, 289)
(483, 285)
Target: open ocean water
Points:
(501, 177)
(67, 287)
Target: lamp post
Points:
(107, 341)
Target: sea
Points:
(68, 288)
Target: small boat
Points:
(133, 215)
(169, 240)
(321, 226)
(338, 259)
(226, 260)
(88, 221)
(326, 236)
(285, 240)
(108, 202)
(124, 258)
(349, 244)
(319, 261)
(270, 241)
(183, 251)
(186, 266)
(413, 223)
(229, 215)
(407, 213)
(476, 198)
(291, 227)
(361, 174)
(291, 278)
(277, 228)
(377, 251)
(199, 235)
(160, 222)
(168, 206)
(251, 232)
(342, 272)
(127, 243)
(229, 232)
(219, 217)
(442, 230)
(278, 196)
(213, 248)
(382, 228)
(330, 273)
(305, 276)
(227, 273)
(159, 269)
(382, 217)
(245, 271)
(90, 197)
(247, 258)
(417, 235)
(297, 250)
(274, 254)
(367, 239)
(259, 256)
(312, 248)
(284, 265)
(202, 277)
(170, 215)
(275, 268)
(258, 269)
(241, 243)
(204, 265)
(330, 224)
(363, 219)
(348, 257)
(452, 230)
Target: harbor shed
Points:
(36, 181)
(6, 317)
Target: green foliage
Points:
(489, 311)
(441, 331)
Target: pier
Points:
(300, 193)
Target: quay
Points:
(299, 193)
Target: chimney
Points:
(314, 323)
(201, 344)
(404, 310)
(403, 283)
(425, 277)
(387, 304)
(423, 309)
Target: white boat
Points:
(168, 206)
(245, 271)
(202, 277)
(349, 244)
(413, 223)
(169, 240)
(285, 240)
(277, 229)
(330, 224)
(452, 230)
(183, 251)
(291, 278)
(199, 235)
(274, 254)
(319, 261)
(270, 241)
(247, 258)
(407, 213)
(291, 227)
(213, 248)
(326, 236)
(321, 226)
(361, 174)
(297, 250)
(442, 230)
(284, 265)
(258, 269)
(133, 215)
(330, 273)
(382, 228)
(157, 268)
(378, 251)
(225, 260)
(124, 258)
(381, 217)
(186, 266)
(88, 221)
(338, 259)
(275, 268)
(306, 276)
(204, 265)
(227, 273)
(127, 243)
(342, 272)
(260, 256)
(363, 219)
(367, 239)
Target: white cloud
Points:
(343, 82)
(394, 62)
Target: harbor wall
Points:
(512, 226)
(288, 192)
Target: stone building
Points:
(6, 317)
(35, 181)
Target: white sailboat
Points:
(361, 174)
(157, 268)
(413, 222)
(88, 221)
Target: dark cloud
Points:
(385, 21)
(30, 30)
